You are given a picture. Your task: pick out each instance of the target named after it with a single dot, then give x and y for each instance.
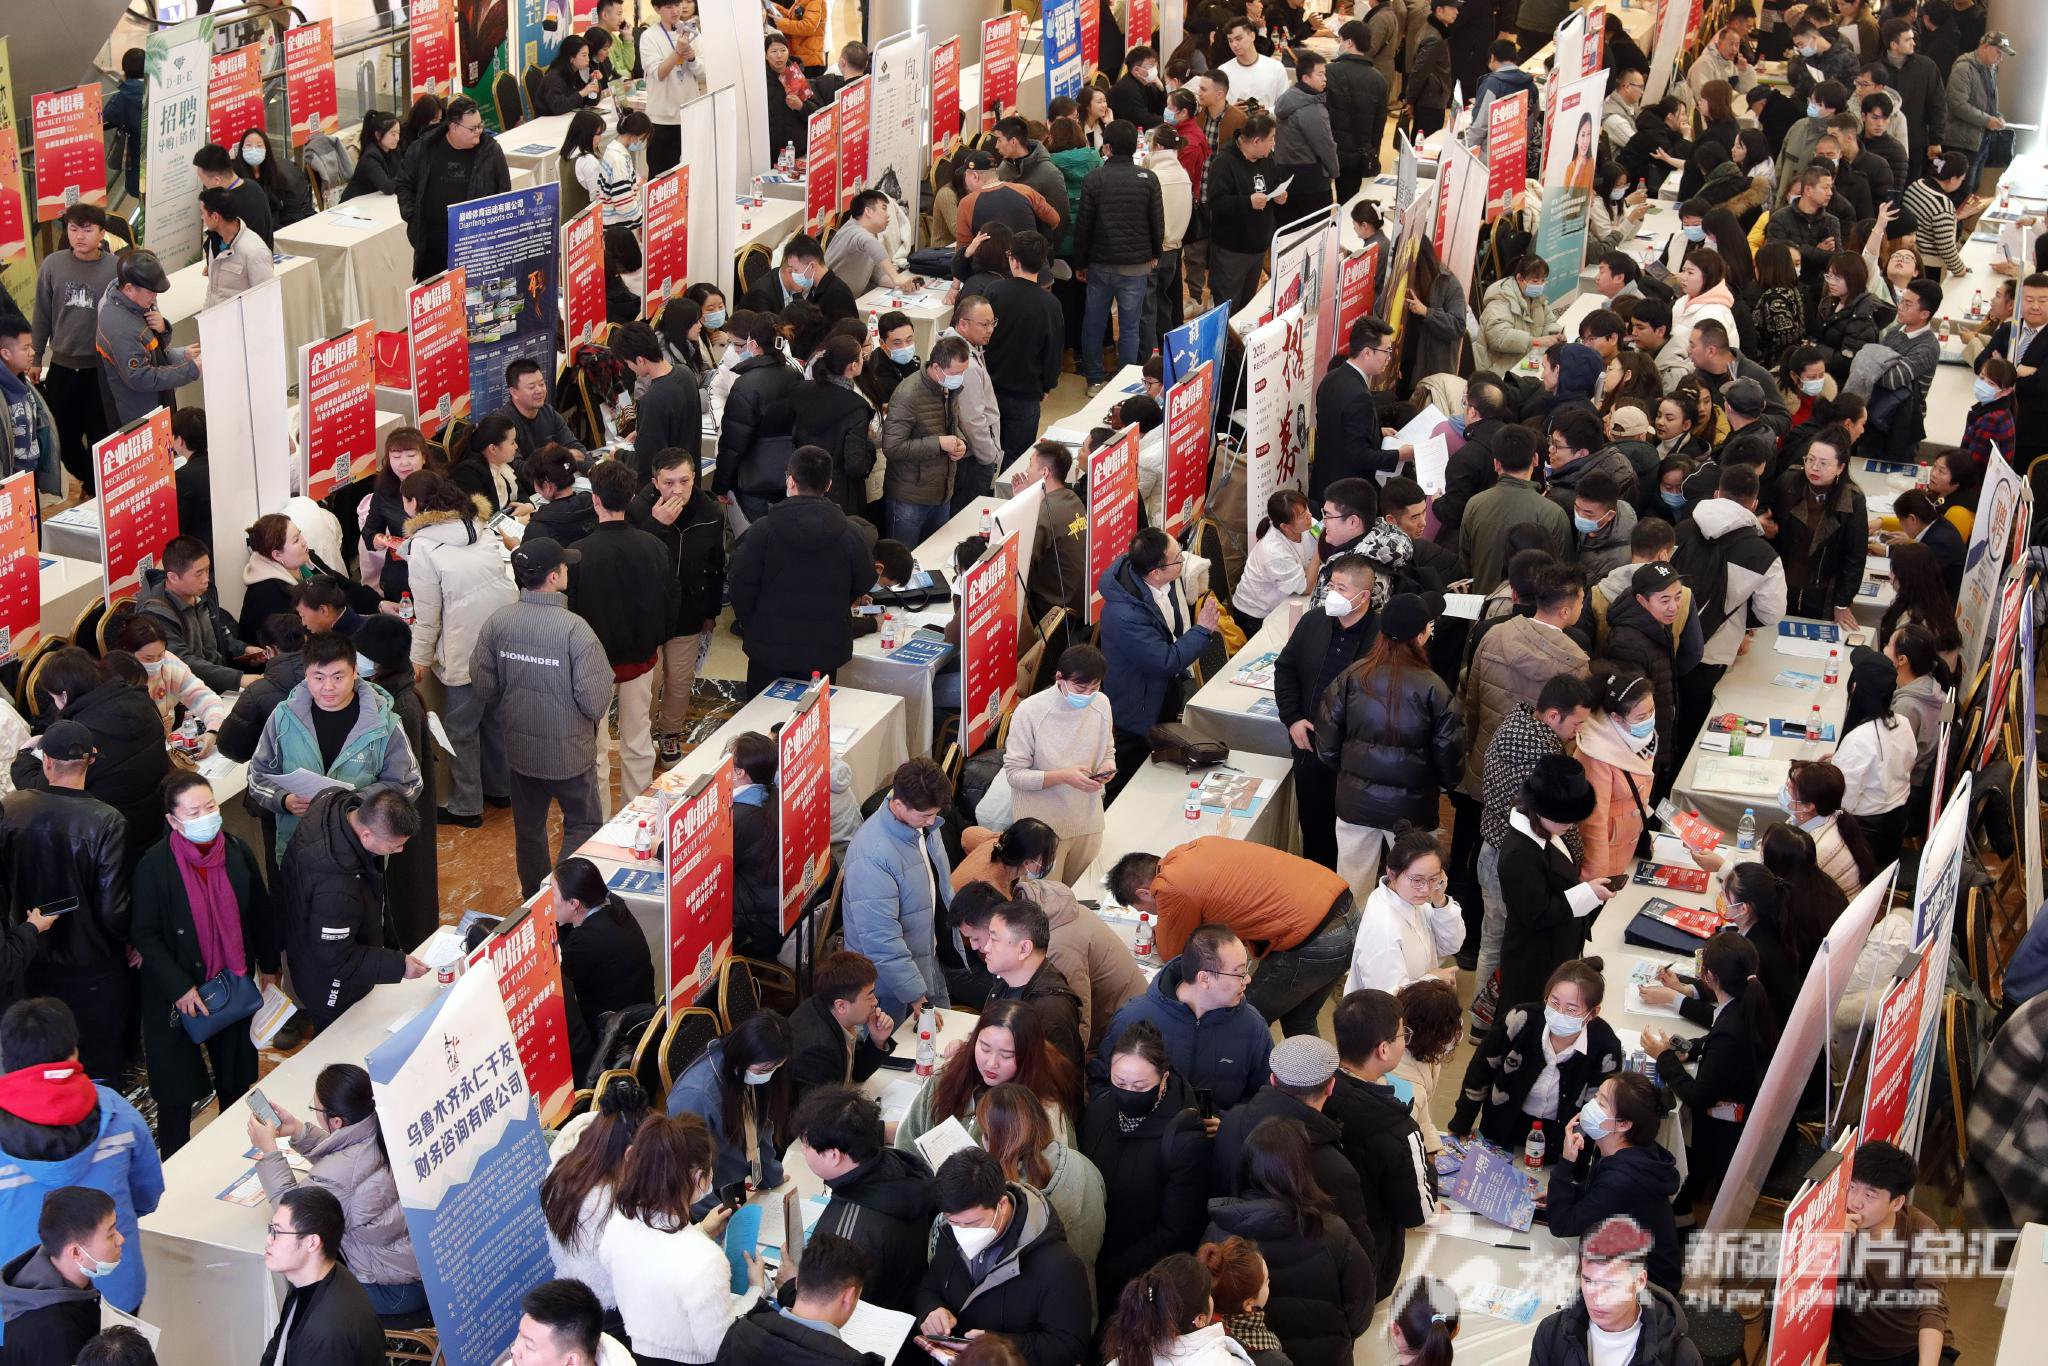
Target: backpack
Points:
(1702, 561)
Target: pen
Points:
(1515, 1247)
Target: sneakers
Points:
(1097, 387)
(443, 816)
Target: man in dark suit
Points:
(1347, 420)
(802, 275)
(2023, 340)
(1920, 520)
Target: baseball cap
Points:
(979, 159)
(1744, 396)
(1653, 578)
(1999, 40)
(539, 557)
(67, 740)
(141, 268)
(1628, 420)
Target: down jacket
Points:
(1395, 739)
(1322, 1287)
(1146, 660)
(375, 753)
(1511, 665)
(1509, 323)
(1123, 216)
(457, 579)
(920, 413)
(545, 683)
(350, 1162)
(129, 763)
(1639, 640)
(1035, 1293)
(1160, 1173)
(892, 907)
(337, 917)
(754, 442)
(696, 555)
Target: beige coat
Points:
(1511, 666)
(1509, 322)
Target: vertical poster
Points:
(526, 952)
(309, 81)
(138, 501)
(1507, 148)
(1594, 44)
(854, 99)
(1305, 262)
(1091, 34)
(988, 641)
(1667, 36)
(176, 66)
(506, 247)
(697, 904)
(481, 29)
(1355, 279)
(1112, 508)
(21, 576)
(2004, 656)
(1892, 1042)
(463, 1132)
(71, 161)
(1060, 48)
(431, 38)
(1937, 891)
(1189, 431)
(1465, 179)
(896, 132)
(1809, 1258)
(1984, 564)
(666, 214)
(528, 37)
(583, 278)
(821, 168)
(1002, 40)
(234, 94)
(803, 798)
(337, 411)
(17, 264)
(1195, 341)
(1569, 46)
(1140, 25)
(945, 95)
(1277, 415)
(1572, 142)
(439, 344)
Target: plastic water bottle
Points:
(405, 612)
(1534, 1147)
(1745, 833)
(643, 840)
(1814, 729)
(787, 165)
(927, 1054)
(1192, 808)
(988, 522)
(1142, 942)
(1834, 674)
(888, 630)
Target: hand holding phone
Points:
(733, 1194)
(63, 905)
(260, 1105)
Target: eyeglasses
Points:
(1563, 1009)
(273, 1231)
(1219, 972)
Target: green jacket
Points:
(375, 753)
(1075, 164)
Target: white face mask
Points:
(1337, 605)
(254, 155)
(760, 1078)
(973, 1241)
(152, 667)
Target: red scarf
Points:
(216, 915)
(49, 1093)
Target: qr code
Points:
(703, 971)
(71, 193)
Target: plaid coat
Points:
(2006, 1183)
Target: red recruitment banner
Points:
(234, 94)
(1189, 429)
(2002, 657)
(821, 168)
(309, 81)
(432, 39)
(13, 203)
(1354, 293)
(1091, 34)
(583, 278)
(1809, 1257)
(697, 907)
(1507, 148)
(1596, 37)
(803, 777)
(71, 161)
(988, 666)
(1002, 40)
(21, 588)
(1112, 508)
(138, 501)
(438, 333)
(945, 94)
(1138, 28)
(1893, 1043)
(855, 100)
(338, 409)
(526, 951)
(665, 209)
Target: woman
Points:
(1512, 315)
(580, 167)
(1922, 599)
(1183, 111)
(1618, 751)
(1813, 798)
(1823, 534)
(1436, 1026)
(1410, 923)
(682, 331)
(584, 1164)
(1758, 899)
(1323, 1277)
(1016, 1132)
(1425, 1316)
(790, 101)
(569, 86)
(1803, 379)
(835, 416)
(1387, 725)
(1282, 562)
(624, 284)
(739, 1088)
(279, 561)
(129, 762)
(1709, 423)
(1704, 280)
(1533, 1068)
(426, 112)
(1664, 495)
(1240, 1286)
(1673, 423)
(709, 344)
(1725, 237)
(1877, 750)
(1630, 1172)
(412, 875)
(1371, 228)
(200, 910)
(1991, 417)
(1093, 115)
(1630, 378)
(1846, 319)
(1718, 182)
(1714, 119)
(671, 1276)
(406, 452)
(1545, 896)
(490, 469)
(1008, 1044)
(1780, 307)
(1922, 682)
(605, 958)
(1434, 341)
(284, 184)
(1727, 1066)
(347, 1152)
(1955, 482)
(565, 514)
(376, 156)
(1614, 220)
(756, 892)
(1165, 1317)
(1145, 1136)
(172, 684)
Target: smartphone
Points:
(260, 1104)
(64, 905)
(733, 1194)
(1105, 775)
(942, 1340)
(1618, 882)
(1205, 1101)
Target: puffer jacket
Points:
(565, 520)
(1075, 165)
(1123, 216)
(1224, 1051)
(337, 917)
(1613, 767)
(1639, 640)
(1158, 1173)
(1037, 169)
(199, 633)
(1305, 138)
(139, 368)
(1562, 485)
(1510, 666)
(838, 419)
(1145, 659)
(696, 556)
(795, 574)
(1395, 739)
(754, 442)
(1322, 1288)
(920, 412)
(350, 1162)
(108, 1149)
(884, 1206)
(1035, 1292)
(892, 905)
(243, 728)
(130, 763)
(699, 1092)
(457, 579)
(545, 683)
(1845, 328)
(1357, 99)
(1509, 321)
(375, 753)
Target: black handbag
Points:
(229, 998)
(1173, 743)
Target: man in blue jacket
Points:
(1215, 1040)
(898, 881)
(1148, 642)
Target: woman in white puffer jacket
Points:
(1166, 1318)
(576, 1196)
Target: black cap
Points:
(141, 268)
(979, 159)
(67, 740)
(539, 557)
(1408, 615)
(1652, 578)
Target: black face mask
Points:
(1135, 1104)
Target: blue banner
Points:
(1197, 340)
(509, 245)
(531, 44)
(1062, 48)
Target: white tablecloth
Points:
(1222, 709)
(305, 316)
(1148, 816)
(69, 582)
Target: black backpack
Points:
(1702, 562)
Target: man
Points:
(1015, 950)
(326, 1317)
(1149, 638)
(879, 1197)
(1350, 507)
(217, 171)
(1024, 353)
(1348, 431)
(322, 605)
(990, 199)
(1617, 276)
(180, 598)
(561, 1322)
(1216, 1039)
(1896, 1305)
(1602, 522)
(2023, 340)
(1357, 93)
(1805, 223)
(60, 844)
(240, 260)
(802, 275)
(830, 1280)
(627, 594)
(1431, 81)
(1877, 109)
(1918, 84)
(1652, 542)
(1243, 186)
(1505, 79)
(1717, 364)
(840, 1033)
(29, 428)
(452, 163)
(1649, 331)
(1624, 104)
(69, 285)
(1862, 180)
(1138, 98)
(1579, 450)
(1898, 402)
(59, 1130)
(796, 574)
(975, 407)
(1322, 645)
(623, 57)
(893, 358)
(669, 411)
(668, 59)
(1382, 41)
(1471, 468)
(533, 418)
(541, 674)
(1304, 150)
(139, 368)
(1802, 140)
(1644, 633)
(1638, 1322)
(1380, 1134)
(1817, 57)
(757, 423)
(1058, 574)
(1949, 31)
(1738, 588)
(605, 957)
(49, 1296)
(1972, 100)
(922, 443)
(1254, 77)
(1001, 1264)
(1301, 1074)
(1600, 332)
(1300, 914)
(1026, 161)
(898, 882)
(337, 915)
(1722, 60)
(856, 253)
(1514, 659)
(853, 64)
(1119, 232)
(1920, 520)
(1512, 501)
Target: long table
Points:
(1223, 708)
(305, 313)
(1148, 816)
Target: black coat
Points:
(1333, 1170)
(337, 918)
(765, 1336)
(1058, 1008)
(1157, 1181)
(830, 294)
(60, 843)
(1945, 543)
(1395, 741)
(332, 1324)
(376, 172)
(565, 520)
(1134, 101)
(1507, 1063)
(1347, 436)
(1384, 1145)
(1639, 640)
(836, 419)
(472, 475)
(130, 765)
(2030, 394)
(754, 437)
(48, 1319)
(246, 719)
(756, 879)
(1561, 1339)
(413, 874)
(267, 598)
(386, 516)
(1322, 1287)
(795, 576)
(885, 1207)
(1470, 472)
(623, 588)
(1357, 96)
(1541, 931)
(1298, 670)
(1840, 542)
(607, 960)
(1035, 1293)
(1025, 354)
(1724, 1071)
(1122, 220)
(696, 556)
(1639, 1182)
(818, 1053)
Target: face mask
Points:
(1560, 1023)
(1172, 114)
(903, 355)
(94, 1269)
(953, 383)
(1337, 605)
(1806, 50)
(1983, 391)
(1644, 729)
(1594, 1121)
(760, 1078)
(1618, 193)
(1533, 291)
(1785, 796)
(973, 1241)
(366, 666)
(1672, 500)
(1079, 701)
(153, 667)
(202, 829)
(1133, 1104)
(254, 155)
(1586, 526)
(1814, 386)
(799, 280)
(715, 319)
(1458, 424)
(1812, 110)
(1694, 232)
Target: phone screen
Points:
(733, 1195)
(1205, 1101)
(61, 906)
(260, 1103)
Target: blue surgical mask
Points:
(1983, 391)
(1560, 1023)
(1672, 500)
(201, 829)
(95, 1269)
(799, 280)
(1034, 875)
(1812, 110)
(1585, 526)
(715, 319)
(1806, 50)
(1695, 232)
(1813, 387)
(1079, 701)
(254, 155)
(1534, 290)
(366, 666)
(903, 355)
(952, 383)
(1594, 1121)
(1644, 728)
(1458, 424)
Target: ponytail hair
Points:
(1279, 508)
(1158, 1306)
(1426, 1312)
(833, 357)
(1733, 961)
